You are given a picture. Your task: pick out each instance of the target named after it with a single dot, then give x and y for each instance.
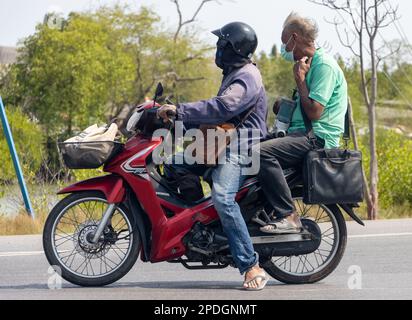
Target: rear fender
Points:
(349, 210)
(298, 193)
(111, 186)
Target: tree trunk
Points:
(354, 135)
(70, 125)
(374, 171)
(367, 99)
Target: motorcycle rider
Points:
(242, 89)
(323, 95)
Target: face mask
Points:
(221, 45)
(219, 58)
(287, 55)
(227, 58)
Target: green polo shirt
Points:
(327, 85)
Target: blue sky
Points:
(19, 17)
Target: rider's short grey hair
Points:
(306, 27)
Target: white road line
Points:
(383, 235)
(20, 254)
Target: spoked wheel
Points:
(318, 265)
(68, 240)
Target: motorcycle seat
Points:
(208, 176)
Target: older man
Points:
(322, 95)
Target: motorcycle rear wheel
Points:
(299, 269)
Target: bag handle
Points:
(339, 162)
(327, 153)
(346, 135)
(309, 127)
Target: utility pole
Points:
(15, 158)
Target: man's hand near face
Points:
(313, 109)
(301, 69)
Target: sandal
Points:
(281, 227)
(262, 285)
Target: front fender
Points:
(111, 186)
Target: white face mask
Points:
(288, 55)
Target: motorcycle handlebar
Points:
(171, 114)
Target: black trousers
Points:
(275, 156)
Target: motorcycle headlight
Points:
(134, 120)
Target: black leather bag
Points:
(332, 176)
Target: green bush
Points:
(28, 139)
(395, 168)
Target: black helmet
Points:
(241, 36)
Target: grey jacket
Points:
(241, 90)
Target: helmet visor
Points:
(221, 44)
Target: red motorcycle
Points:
(96, 234)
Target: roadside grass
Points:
(23, 224)
(394, 213)
(398, 212)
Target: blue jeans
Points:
(227, 180)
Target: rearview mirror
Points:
(159, 91)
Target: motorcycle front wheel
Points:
(68, 247)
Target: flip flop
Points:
(262, 285)
(274, 230)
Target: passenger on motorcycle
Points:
(322, 92)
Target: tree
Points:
(181, 58)
(177, 59)
(277, 75)
(28, 138)
(101, 64)
(181, 22)
(66, 78)
(367, 18)
(101, 61)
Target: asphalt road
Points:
(382, 252)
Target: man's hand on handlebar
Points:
(167, 112)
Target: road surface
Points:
(382, 252)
